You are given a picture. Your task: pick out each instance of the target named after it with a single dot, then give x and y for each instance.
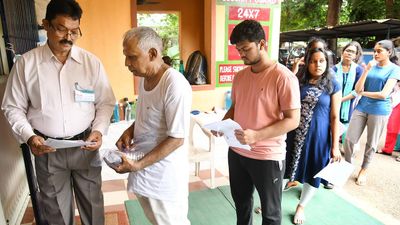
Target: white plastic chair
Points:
(199, 149)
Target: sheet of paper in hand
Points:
(228, 127)
(59, 144)
(336, 173)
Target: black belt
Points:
(80, 136)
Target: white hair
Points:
(146, 38)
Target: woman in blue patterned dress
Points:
(316, 140)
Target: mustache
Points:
(65, 41)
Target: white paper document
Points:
(228, 127)
(336, 173)
(57, 144)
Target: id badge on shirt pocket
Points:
(83, 95)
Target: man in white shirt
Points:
(61, 91)
(160, 178)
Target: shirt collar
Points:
(48, 54)
(74, 54)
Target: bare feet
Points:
(299, 217)
(362, 177)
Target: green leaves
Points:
(304, 14)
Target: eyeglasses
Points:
(350, 51)
(62, 32)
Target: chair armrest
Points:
(206, 132)
(200, 124)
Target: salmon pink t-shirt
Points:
(260, 99)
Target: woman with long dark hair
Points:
(373, 110)
(316, 140)
(314, 42)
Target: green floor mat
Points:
(210, 207)
(215, 207)
(135, 213)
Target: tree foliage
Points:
(367, 9)
(170, 28)
(303, 14)
(306, 14)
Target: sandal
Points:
(383, 152)
(329, 186)
(398, 159)
(291, 184)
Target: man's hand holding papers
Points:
(227, 129)
(58, 144)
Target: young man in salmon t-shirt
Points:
(266, 104)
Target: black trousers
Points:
(266, 176)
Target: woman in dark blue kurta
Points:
(316, 140)
(315, 154)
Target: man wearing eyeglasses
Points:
(61, 91)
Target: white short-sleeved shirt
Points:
(162, 112)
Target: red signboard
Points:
(228, 71)
(233, 54)
(245, 13)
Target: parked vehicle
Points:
(287, 56)
(283, 56)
